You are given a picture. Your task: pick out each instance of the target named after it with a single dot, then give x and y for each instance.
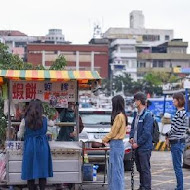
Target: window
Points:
(176, 50)
(154, 64)
(160, 64)
(119, 67)
(141, 64)
(20, 44)
(167, 38)
(157, 63)
(96, 118)
(127, 49)
(125, 61)
(151, 38)
(140, 74)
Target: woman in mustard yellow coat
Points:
(115, 139)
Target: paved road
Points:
(163, 177)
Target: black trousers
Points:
(142, 160)
(32, 186)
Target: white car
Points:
(96, 126)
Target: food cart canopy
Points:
(52, 75)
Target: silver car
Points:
(186, 153)
(96, 126)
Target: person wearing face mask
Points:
(141, 139)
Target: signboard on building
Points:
(181, 70)
(58, 94)
(157, 107)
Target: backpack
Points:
(155, 129)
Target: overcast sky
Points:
(76, 17)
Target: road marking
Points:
(159, 171)
(161, 183)
(186, 177)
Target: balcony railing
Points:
(126, 55)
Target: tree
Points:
(106, 86)
(159, 78)
(119, 83)
(136, 87)
(153, 79)
(10, 61)
(39, 67)
(173, 78)
(59, 64)
(123, 82)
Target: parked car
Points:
(186, 153)
(97, 123)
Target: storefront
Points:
(58, 89)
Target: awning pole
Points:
(77, 111)
(186, 100)
(164, 106)
(9, 108)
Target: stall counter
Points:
(66, 158)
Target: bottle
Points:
(54, 133)
(95, 167)
(86, 158)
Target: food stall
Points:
(57, 88)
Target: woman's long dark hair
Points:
(34, 115)
(118, 106)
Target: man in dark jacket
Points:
(141, 140)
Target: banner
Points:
(58, 94)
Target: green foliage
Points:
(39, 67)
(5, 56)
(125, 80)
(59, 64)
(49, 111)
(10, 61)
(151, 83)
(159, 78)
(153, 79)
(173, 78)
(136, 87)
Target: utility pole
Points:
(111, 80)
